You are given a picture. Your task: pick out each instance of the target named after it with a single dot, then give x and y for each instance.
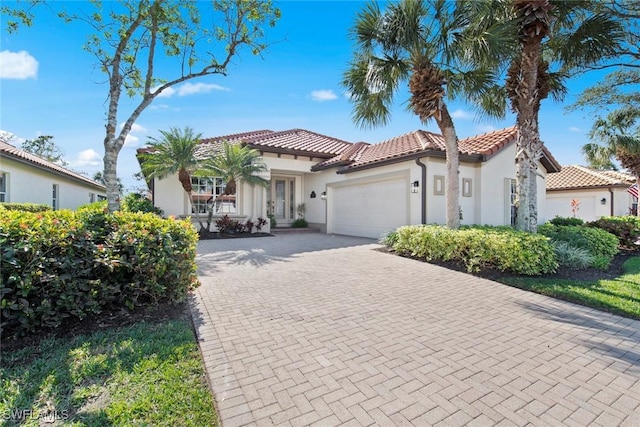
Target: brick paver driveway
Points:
(310, 329)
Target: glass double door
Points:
(282, 200)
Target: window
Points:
(511, 194)
(209, 191)
(55, 196)
(92, 197)
(466, 187)
(438, 185)
(4, 196)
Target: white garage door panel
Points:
(369, 210)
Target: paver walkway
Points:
(311, 329)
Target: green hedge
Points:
(626, 228)
(62, 264)
(26, 207)
(602, 245)
(478, 248)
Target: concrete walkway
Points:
(310, 329)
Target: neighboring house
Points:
(27, 178)
(597, 193)
(362, 189)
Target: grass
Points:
(144, 374)
(619, 296)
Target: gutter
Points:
(475, 158)
(611, 195)
(423, 202)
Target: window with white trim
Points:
(209, 192)
(92, 197)
(55, 195)
(4, 192)
(510, 205)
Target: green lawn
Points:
(148, 374)
(620, 296)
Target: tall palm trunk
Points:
(185, 179)
(445, 123)
(427, 100)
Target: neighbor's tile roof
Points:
(581, 177)
(8, 150)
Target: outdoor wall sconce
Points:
(323, 196)
(313, 195)
(414, 186)
(603, 201)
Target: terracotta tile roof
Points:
(581, 177)
(299, 141)
(345, 158)
(489, 143)
(209, 146)
(8, 150)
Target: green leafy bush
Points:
(134, 202)
(389, 239)
(626, 228)
(300, 223)
(572, 257)
(61, 264)
(601, 244)
(479, 248)
(559, 220)
(26, 207)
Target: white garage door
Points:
(369, 209)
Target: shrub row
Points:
(626, 228)
(601, 245)
(477, 247)
(27, 207)
(62, 264)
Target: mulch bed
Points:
(212, 235)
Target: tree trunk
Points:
(452, 181)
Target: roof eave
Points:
(476, 158)
(277, 150)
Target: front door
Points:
(282, 203)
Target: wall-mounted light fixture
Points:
(312, 195)
(415, 185)
(323, 196)
(603, 201)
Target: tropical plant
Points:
(130, 38)
(44, 146)
(234, 163)
(174, 152)
(422, 43)
(619, 134)
(579, 34)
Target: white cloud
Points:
(131, 141)
(323, 95)
(461, 114)
(135, 128)
(17, 65)
(186, 89)
(575, 129)
(88, 157)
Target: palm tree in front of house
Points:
(174, 152)
(422, 43)
(234, 163)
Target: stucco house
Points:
(27, 178)
(362, 189)
(597, 193)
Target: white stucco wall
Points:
(558, 203)
(29, 184)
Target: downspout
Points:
(424, 191)
(611, 195)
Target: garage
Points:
(368, 209)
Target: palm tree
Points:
(579, 37)
(235, 163)
(174, 152)
(620, 133)
(423, 44)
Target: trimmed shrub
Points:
(300, 223)
(62, 264)
(228, 225)
(559, 220)
(135, 202)
(601, 244)
(26, 207)
(626, 228)
(389, 239)
(572, 257)
(479, 248)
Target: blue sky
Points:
(50, 86)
